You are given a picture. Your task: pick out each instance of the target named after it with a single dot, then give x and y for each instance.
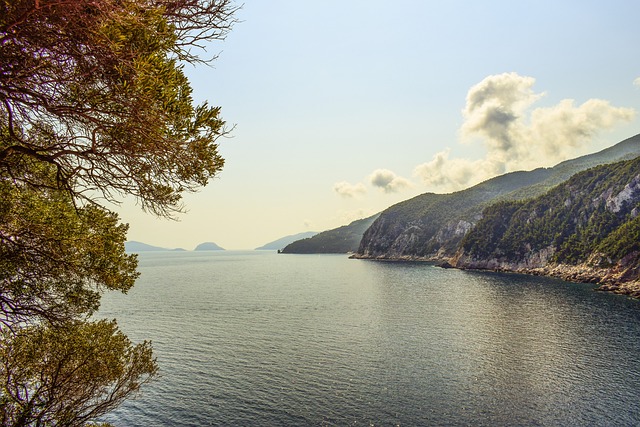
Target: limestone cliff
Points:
(587, 229)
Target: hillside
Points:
(339, 240)
(586, 229)
(284, 241)
(431, 226)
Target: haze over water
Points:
(256, 338)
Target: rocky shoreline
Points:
(608, 279)
(620, 278)
(617, 279)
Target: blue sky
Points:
(343, 108)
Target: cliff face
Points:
(587, 229)
(432, 226)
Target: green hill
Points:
(342, 240)
(284, 241)
(586, 229)
(431, 226)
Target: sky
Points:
(341, 109)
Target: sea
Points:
(256, 338)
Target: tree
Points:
(95, 88)
(55, 259)
(46, 373)
(94, 106)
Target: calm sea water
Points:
(261, 339)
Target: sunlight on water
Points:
(255, 338)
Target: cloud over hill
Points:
(498, 114)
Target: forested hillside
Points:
(284, 241)
(587, 228)
(432, 226)
(340, 240)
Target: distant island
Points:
(208, 246)
(284, 241)
(135, 246)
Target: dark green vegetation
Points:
(433, 225)
(340, 240)
(284, 241)
(94, 106)
(592, 218)
(86, 368)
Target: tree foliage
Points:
(95, 88)
(94, 106)
(55, 260)
(69, 375)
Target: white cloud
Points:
(445, 174)
(494, 111)
(388, 181)
(498, 113)
(562, 129)
(636, 82)
(348, 190)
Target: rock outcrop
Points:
(585, 230)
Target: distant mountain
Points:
(208, 246)
(340, 240)
(284, 241)
(586, 229)
(431, 226)
(133, 246)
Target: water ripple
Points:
(259, 339)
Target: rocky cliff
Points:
(587, 230)
(431, 226)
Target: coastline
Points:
(608, 280)
(617, 279)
